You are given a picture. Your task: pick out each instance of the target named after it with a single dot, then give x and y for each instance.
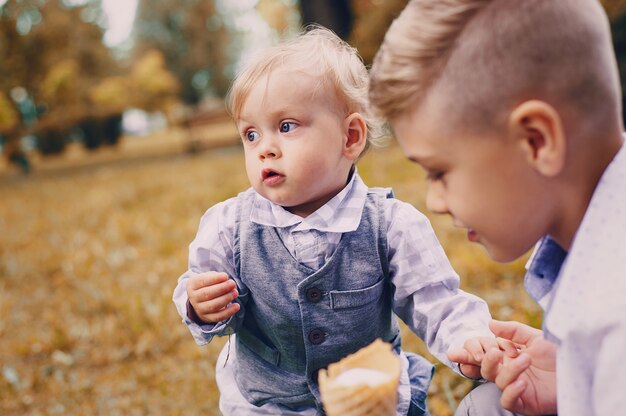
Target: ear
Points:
(539, 129)
(355, 136)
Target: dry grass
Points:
(88, 260)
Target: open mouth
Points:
(269, 174)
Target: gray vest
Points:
(298, 320)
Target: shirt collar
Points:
(341, 214)
(570, 271)
(543, 268)
(546, 261)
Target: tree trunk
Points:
(335, 15)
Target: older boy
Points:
(513, 108)
(314, 263)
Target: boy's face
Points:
(483, 182)
(293, 135)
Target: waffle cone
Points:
(360, 399)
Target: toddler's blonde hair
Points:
(319, 52)
(488, 56)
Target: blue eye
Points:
(252, 135)
(286, 127)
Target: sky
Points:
(120, 16)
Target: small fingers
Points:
(212, 292)
(470, 371)
(511, 349)
(220, 290)
(475, 349)
(214, 304)
(491, 363)
(509, 372)
(206, 279)
(224, 314)
(465, 362)
(460, 355)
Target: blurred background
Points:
(113, 142)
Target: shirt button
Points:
(317, 336)
(313, 295)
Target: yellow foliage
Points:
(275, 13)
(150, 75)
(61, 82)
(8, 114)
(111, 92)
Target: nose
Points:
(435, 199)
(269, 149)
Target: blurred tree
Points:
(9, 117)
(336, 15)
(156, 88)
(55, 54)
(282, 15)
(193, 40)
(614, 8)
(372, 18)
(9, 140)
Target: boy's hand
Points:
(471, 355)
(210, 294)
(528, 380)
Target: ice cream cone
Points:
(363, 383)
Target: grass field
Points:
(90, 254)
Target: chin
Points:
(502, 255)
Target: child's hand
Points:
(528, 380)
(470, 357)
(210, 294)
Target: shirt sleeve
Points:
(608, 390)
(212, 250)
(427, 295)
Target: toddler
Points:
(312, 263)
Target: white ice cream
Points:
(356, 376)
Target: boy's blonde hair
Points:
(319, 52)
(488, 56)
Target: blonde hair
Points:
(490, 55)
(321, 52)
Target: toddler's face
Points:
(293, 133)
(482, 182)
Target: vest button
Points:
(313, 295)
(317, 336)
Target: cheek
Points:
(303, 161)
(462, 194)
(251, 167)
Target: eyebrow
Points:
(278, 113)
(241, 122)
(419, 159)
